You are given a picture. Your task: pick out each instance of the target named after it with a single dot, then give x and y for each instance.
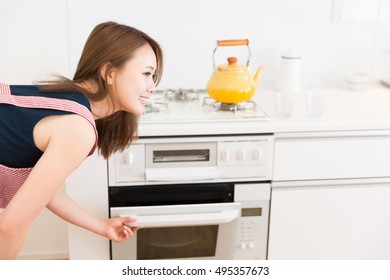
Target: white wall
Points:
(35, 42)
(188, 31)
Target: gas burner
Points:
(181, 95)
(211, 104)
(156, 106)
(242, 106)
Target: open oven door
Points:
(198, 231)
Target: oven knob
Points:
(243, 245)
(241, 155)
(225, 155)
(251, 245)
(258, 154)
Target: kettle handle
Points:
(228, 43)
(232, 43)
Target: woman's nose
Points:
(152, 88)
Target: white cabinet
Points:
(330, 222)
(331, 197)
(313, 156)
(88, 187)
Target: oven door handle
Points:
(205, 217)
(181, 173)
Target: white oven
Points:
(196, 197)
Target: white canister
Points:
(290, 72)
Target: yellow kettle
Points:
(232, 83)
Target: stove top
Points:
(194, 105)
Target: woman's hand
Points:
(117, 231)
(114, 229)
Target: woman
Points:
(46, 132)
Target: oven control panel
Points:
(192, 159)
(252, 230)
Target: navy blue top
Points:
(17, 147)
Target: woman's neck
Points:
(102, 108)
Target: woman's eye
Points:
(148, 74)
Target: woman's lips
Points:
(144, 100)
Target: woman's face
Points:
(133, 83)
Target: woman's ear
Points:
(106, 71)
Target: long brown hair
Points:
(114, 43)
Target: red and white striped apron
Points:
(11, 179)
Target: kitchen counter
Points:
(344, 110)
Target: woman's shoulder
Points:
(66, 141)
(76, 128)
(65, 130)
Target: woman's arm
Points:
(115, 229)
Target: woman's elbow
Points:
(11, 228)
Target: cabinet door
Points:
(314, 156)
(87, 185)
(330, 222)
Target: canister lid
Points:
(291, 54)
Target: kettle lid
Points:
(291, 54)
(232, 66)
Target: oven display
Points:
(200, 155)
(250, 212)
(180, 154)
